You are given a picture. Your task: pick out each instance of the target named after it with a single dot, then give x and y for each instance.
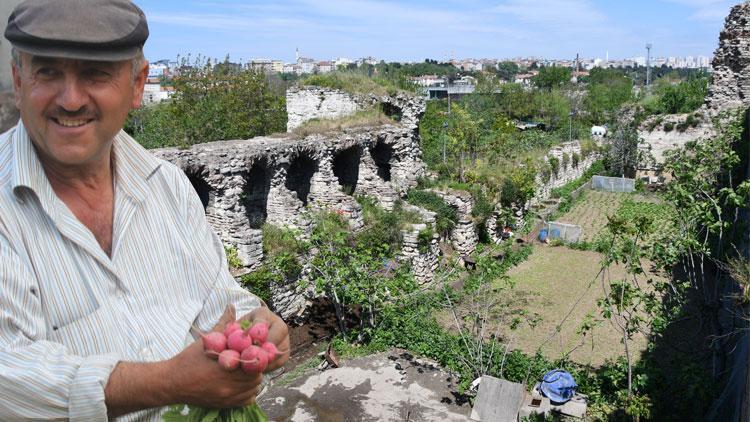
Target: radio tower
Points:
(648, 64)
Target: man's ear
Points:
(16, 73)
(138, 84)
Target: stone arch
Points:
(196, 175)
(383, 156)
(346, 167)
(393, 111)
(299, 175)
(255, 193)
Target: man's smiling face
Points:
(72, 109)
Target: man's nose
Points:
(72, 94)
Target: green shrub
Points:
(424, 239)
(211, 102)
(352, 82)
(259, 283)
(576, 159)
(233, 260)
(554, 165)
(446, 217)
(668, 127)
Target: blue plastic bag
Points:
(558, 385)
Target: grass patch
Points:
(298, 371)
(446, 217)
(352, 82)
(363, 118)
(548, 285)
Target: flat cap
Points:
(103, 30)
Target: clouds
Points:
(708, 11)
(418, 29)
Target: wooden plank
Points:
(498, 400)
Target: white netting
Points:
(569, 233)
(612, 184)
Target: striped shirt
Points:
(69, 313)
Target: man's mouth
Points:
(71, 122)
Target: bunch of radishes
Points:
(241, 344)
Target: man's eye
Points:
(47, 72)
(96, 74)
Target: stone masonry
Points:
(279, 180)
(307, 103)
(731, 63)
(566, 173)
(463, 237)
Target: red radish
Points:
(239, 341)
(229, 359)
(214, 342)
(271, 350)
(232, 327)
(259, 332)
(254, 360)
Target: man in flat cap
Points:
(106, 258)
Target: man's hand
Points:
(208, 385)
(191, 377)
(278, 333)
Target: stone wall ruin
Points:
(282, 179)
(307, 103)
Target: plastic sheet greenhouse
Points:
(612, 184)
(568, 233)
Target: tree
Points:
(608, 90)
(622, 157)
(685, 97)
(551, 77)
(507, 71)
(352, 276)
(211, 102)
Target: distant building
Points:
(465, 81)
(277, 66)
(155, 93)
(343, 61)
(525, 79)
(428, 80)
(157, 70)
(266, 65)
(325, 67)
(307, 67)
(367, 60)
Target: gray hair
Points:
(15, 58)
(135, 63)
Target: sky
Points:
(411, 31)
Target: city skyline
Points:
(554, 29)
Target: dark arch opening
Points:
(393, 111)
(257, 185)
(382, 154)
(298, 176)
(346, 168)
(201, 186)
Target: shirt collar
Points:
(134, 166)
